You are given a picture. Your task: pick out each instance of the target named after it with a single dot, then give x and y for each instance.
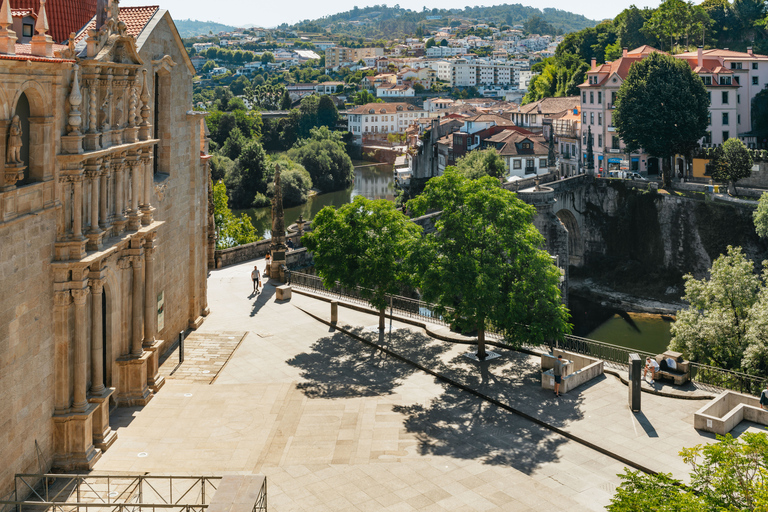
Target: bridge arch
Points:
(575, 238)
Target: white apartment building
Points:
(444, 51)
(477, 72)
(382, 118)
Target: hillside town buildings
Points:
(104, 225)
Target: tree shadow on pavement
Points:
(342, 367)
(462, 425)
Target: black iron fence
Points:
(706, 377)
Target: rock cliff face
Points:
(649, 240)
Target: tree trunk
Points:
(481, 354)
(382, 315)
(666, 172)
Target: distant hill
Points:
(192, 28)
(388, 22)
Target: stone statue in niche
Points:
(104, 114)
(13, 155)
(118, 112)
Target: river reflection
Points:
(371, 181)
(640, 331)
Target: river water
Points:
(640, 331)
(371, 181)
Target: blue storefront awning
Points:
(599, 157)
(635, 158)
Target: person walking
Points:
(255, 278)
(557, 370)
(764, 398)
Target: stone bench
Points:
(577, 369)
(727, 410)
(283, 292)
(681, 374)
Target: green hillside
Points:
(192, 28)
(381, 21)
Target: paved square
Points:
(336, 424)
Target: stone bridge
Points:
(560, 205)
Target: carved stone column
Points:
(95, 233)
(134, 220)
(118, 166)
(97, 335)
(103, 435)
(146, 208)
(80, 368)
(104, 176)
(154, 380)
(61, 301)
(137, 307)
(77, 207)
(92, 137)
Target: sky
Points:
(267, 13)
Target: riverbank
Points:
(589, 289)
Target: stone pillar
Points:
(154, 380)
(104, 175)
(61, 301)
(79, 401)
(146, 207)
(137, 307)
(77, 207)
(119, 177)
(134, 221)
(95, 233)
(97, 335)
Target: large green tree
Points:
(728, 475)
(662, 107)
(761, 216)
(231, 231)
(732, 162)
(246, 179)
(482, 162)
(484, 265)
(295, 181)
(363, 243)
(324, 156)
(724, 324)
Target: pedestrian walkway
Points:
(335, 423)
(205, 354)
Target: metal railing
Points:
(706, 377)
(404, 306)
(261, 500)
(65, 493)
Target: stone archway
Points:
(575, 239)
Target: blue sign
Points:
(614, 160)
(599, 157)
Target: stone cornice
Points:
(102, 153)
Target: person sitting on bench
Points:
(651, 364)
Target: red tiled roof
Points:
(24, 52)
(135, 19)
(64, 16)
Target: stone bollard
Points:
(635, 380)
(334, 311)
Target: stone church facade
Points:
(103, 222)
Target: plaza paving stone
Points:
(336, 424)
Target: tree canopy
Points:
(662, 107)
(363, 243)
(484, 265)
(231, 230)
(761, 216)
(732, 162)
(479, 163)
(730, 474)
(324, 156)
(727, 317)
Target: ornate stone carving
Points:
(80, 295)
(104, 112)
(13, 154)
(75, 99)
(7, 36)
(62, 299)
(97, 285)
(118, 113)
(144, 126)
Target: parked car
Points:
(635, 176)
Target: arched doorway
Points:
(653, 166)
(575, 241)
